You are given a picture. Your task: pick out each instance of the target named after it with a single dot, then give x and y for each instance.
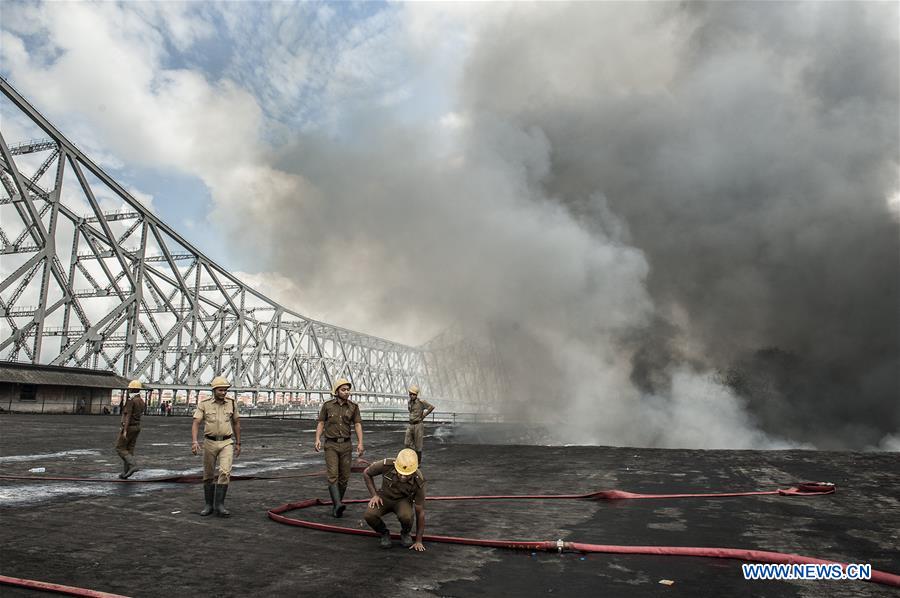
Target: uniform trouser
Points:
(415, 435)
(223, 450)
(337, 462)
(402, 507)
(125, 447)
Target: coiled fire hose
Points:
(755, 556)
(559, 546)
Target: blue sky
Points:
(269, 72)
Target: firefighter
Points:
(415, 430)
(132, 411)
(402, 492)
(336, 418)
(221, 441)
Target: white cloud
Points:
(453, 121)
(145, 199)
(108, 80)
(108, 90)
(893, 202)
(181, 20)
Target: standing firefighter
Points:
(132, 411)
(402, 484)
(415, 430)
(221, 440)
(336, 418)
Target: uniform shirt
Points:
(134, 409)
(417, 410)
(392, 488)
(339, 418)
(217, 417)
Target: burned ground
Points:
(145, 539)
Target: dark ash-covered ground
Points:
(146, 539)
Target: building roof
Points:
(26, 373)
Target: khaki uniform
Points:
(340, 419)
(415, 430)
(398, 496)
(131, 423)
(218, 437)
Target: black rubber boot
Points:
(132, 467)
(124, 469)
(385, 533)
(337, 509)
(221, 490)
(405, 538)
(209, 493)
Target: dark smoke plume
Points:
(674, 218)
(754, 173)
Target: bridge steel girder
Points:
(118, 289)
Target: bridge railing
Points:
(71, 406)
(368, 415)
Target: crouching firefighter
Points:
(221, 441)
(402, 486)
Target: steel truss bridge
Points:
(89, 277)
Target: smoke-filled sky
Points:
(679, 222)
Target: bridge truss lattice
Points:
(90, 277)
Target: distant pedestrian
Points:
(336, 418)
(222, 442)
(80, 408)
(415, 430)
(130, 428)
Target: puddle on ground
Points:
(27, 493)
(75, 453)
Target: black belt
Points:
(346, 439)
(217, 438)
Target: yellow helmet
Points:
(407, 462)
(135, 385)
(339, 383)
(220, 382)
(414, 390)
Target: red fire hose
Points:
(805, 489)
(276, 514)
(55, 587)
